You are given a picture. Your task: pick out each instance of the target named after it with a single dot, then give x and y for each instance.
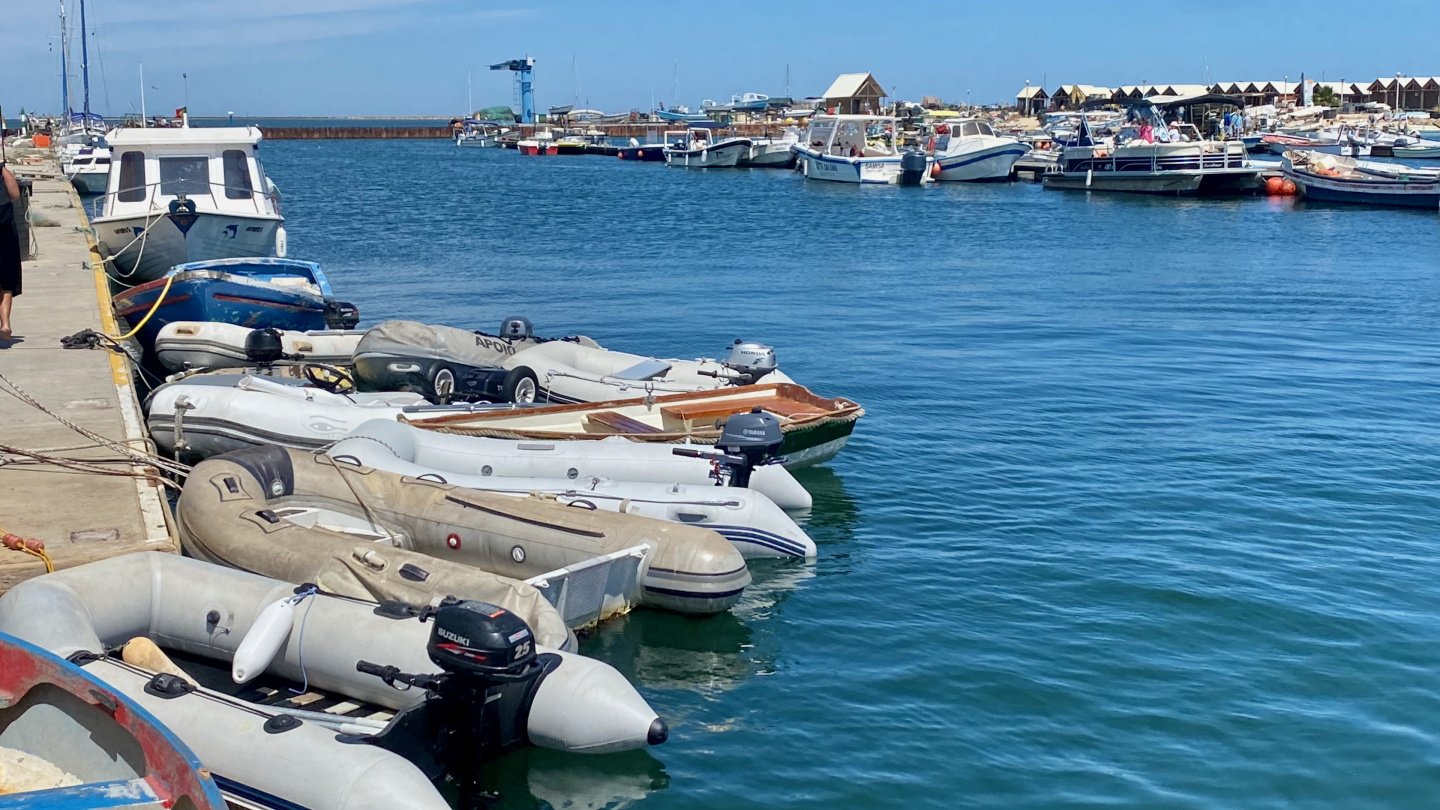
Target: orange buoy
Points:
(1288, 187)
(1274, 185)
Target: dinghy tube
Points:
(580, 704)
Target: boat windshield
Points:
(820, 134)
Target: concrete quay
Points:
(80, 516)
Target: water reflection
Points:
(537, 778)
(833, 516)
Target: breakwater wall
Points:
(638, 130)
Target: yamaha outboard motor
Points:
(264, 346)
(912, 168)
(479, 705)
(747, 441)
(516, 327)
(341, 315)
(750, 360)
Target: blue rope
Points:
(305, 677)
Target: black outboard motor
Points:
(747, 441)
(264, 346)
(341, 315)
(913, 165)
(479, 705)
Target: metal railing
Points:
(151, 197)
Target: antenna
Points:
(142, 95)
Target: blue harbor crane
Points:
(522, 69)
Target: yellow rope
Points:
(158, 301)
(33, 547)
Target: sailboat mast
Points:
(85, 64)
(64, 63)
(142, 95)
(469, 97)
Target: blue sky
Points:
(410, 57)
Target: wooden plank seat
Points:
(706, 411)
(613, 422)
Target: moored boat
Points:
(181, 345)
(702, 149)
(852, 149)
(87, 167)
(775, 152)
(1332, 178)
(968, 150)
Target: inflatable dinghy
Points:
(445, 363)
(300, 516)
(574, 371)
(268, 754)
(815, 428)
(748, 519)
(223, 413)
(70, 742)
(208, 344)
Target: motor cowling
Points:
(341, 315)
(480, 639)
(264, 346)
(517, 327)
(913, 166)
(751, 359)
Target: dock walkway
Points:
(80, 516)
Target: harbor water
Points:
(1144, 512)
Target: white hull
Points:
(570, 372)
(483, 142)
(975, 165)
(89, 180)
(772, 153)
(753, 524)
(722, 156)
(145, 248)
(865, 170)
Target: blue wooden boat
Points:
(258, 293)
(70, 742)
(1331, 178)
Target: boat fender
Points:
(142, 652)
(282, 242)
(269, 631)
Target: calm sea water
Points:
(1145, 511)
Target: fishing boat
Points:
(69, 741)
(968, 150)
(1417, 151)
(199, 417)
(680, 114)
(1332, 178)
(815, 428)
(580, 370)
(1174, 161)
(182, 345)
(644, 152)
(699, 148)
(753, 524)
(478, 134)
(249, 292)
(184, 195)
(851, 149)
(294, 697)
(774, 152)
(324, 505)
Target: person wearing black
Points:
(9, 250)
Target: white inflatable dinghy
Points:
(582, 371)
(269, 755)
(222, 413)
(183, 345)
(748, 519)
(295, 515)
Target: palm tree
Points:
(1325, 97)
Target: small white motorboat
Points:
(701, 149)
(968, 150)
(1420, 150)
(87, 167)
(199, 417)
(776, 152)
(183, 345)
(747, 518)
(572, 371)
(243, 640)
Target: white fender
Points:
(263, 639)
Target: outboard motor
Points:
(747, 441)
(341, 315)
(478, 705)
(750, 360)
(516, 328)
(912, 168)
(264, 346)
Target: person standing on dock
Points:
(9, 250)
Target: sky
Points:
(411, 57)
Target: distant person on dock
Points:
(9, 250)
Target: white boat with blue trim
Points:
(851, 149)
(968, 150)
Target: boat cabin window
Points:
(985, 129)
(184, 175)
(132, 177)
(969, 128)
(237, 175)
(102, 161)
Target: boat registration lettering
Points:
(494, 344)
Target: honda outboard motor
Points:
(912, 168)
(264, 346)
(516, 328)
(750, 360)
(478, 706)
(747, 441)
(341, 315)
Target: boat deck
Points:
(80, 516)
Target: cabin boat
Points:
(541, 143)
(186, 195)
(968, 150)
(699, 148)
(851, 149)
(1164, 165)
(87, 168)
(1332, 178)
(478, 134)
(815, 428)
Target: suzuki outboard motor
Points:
(750, 360)
(478, 706)
(747, 441)
(912, 168)
(341, 315)
(517, 328)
